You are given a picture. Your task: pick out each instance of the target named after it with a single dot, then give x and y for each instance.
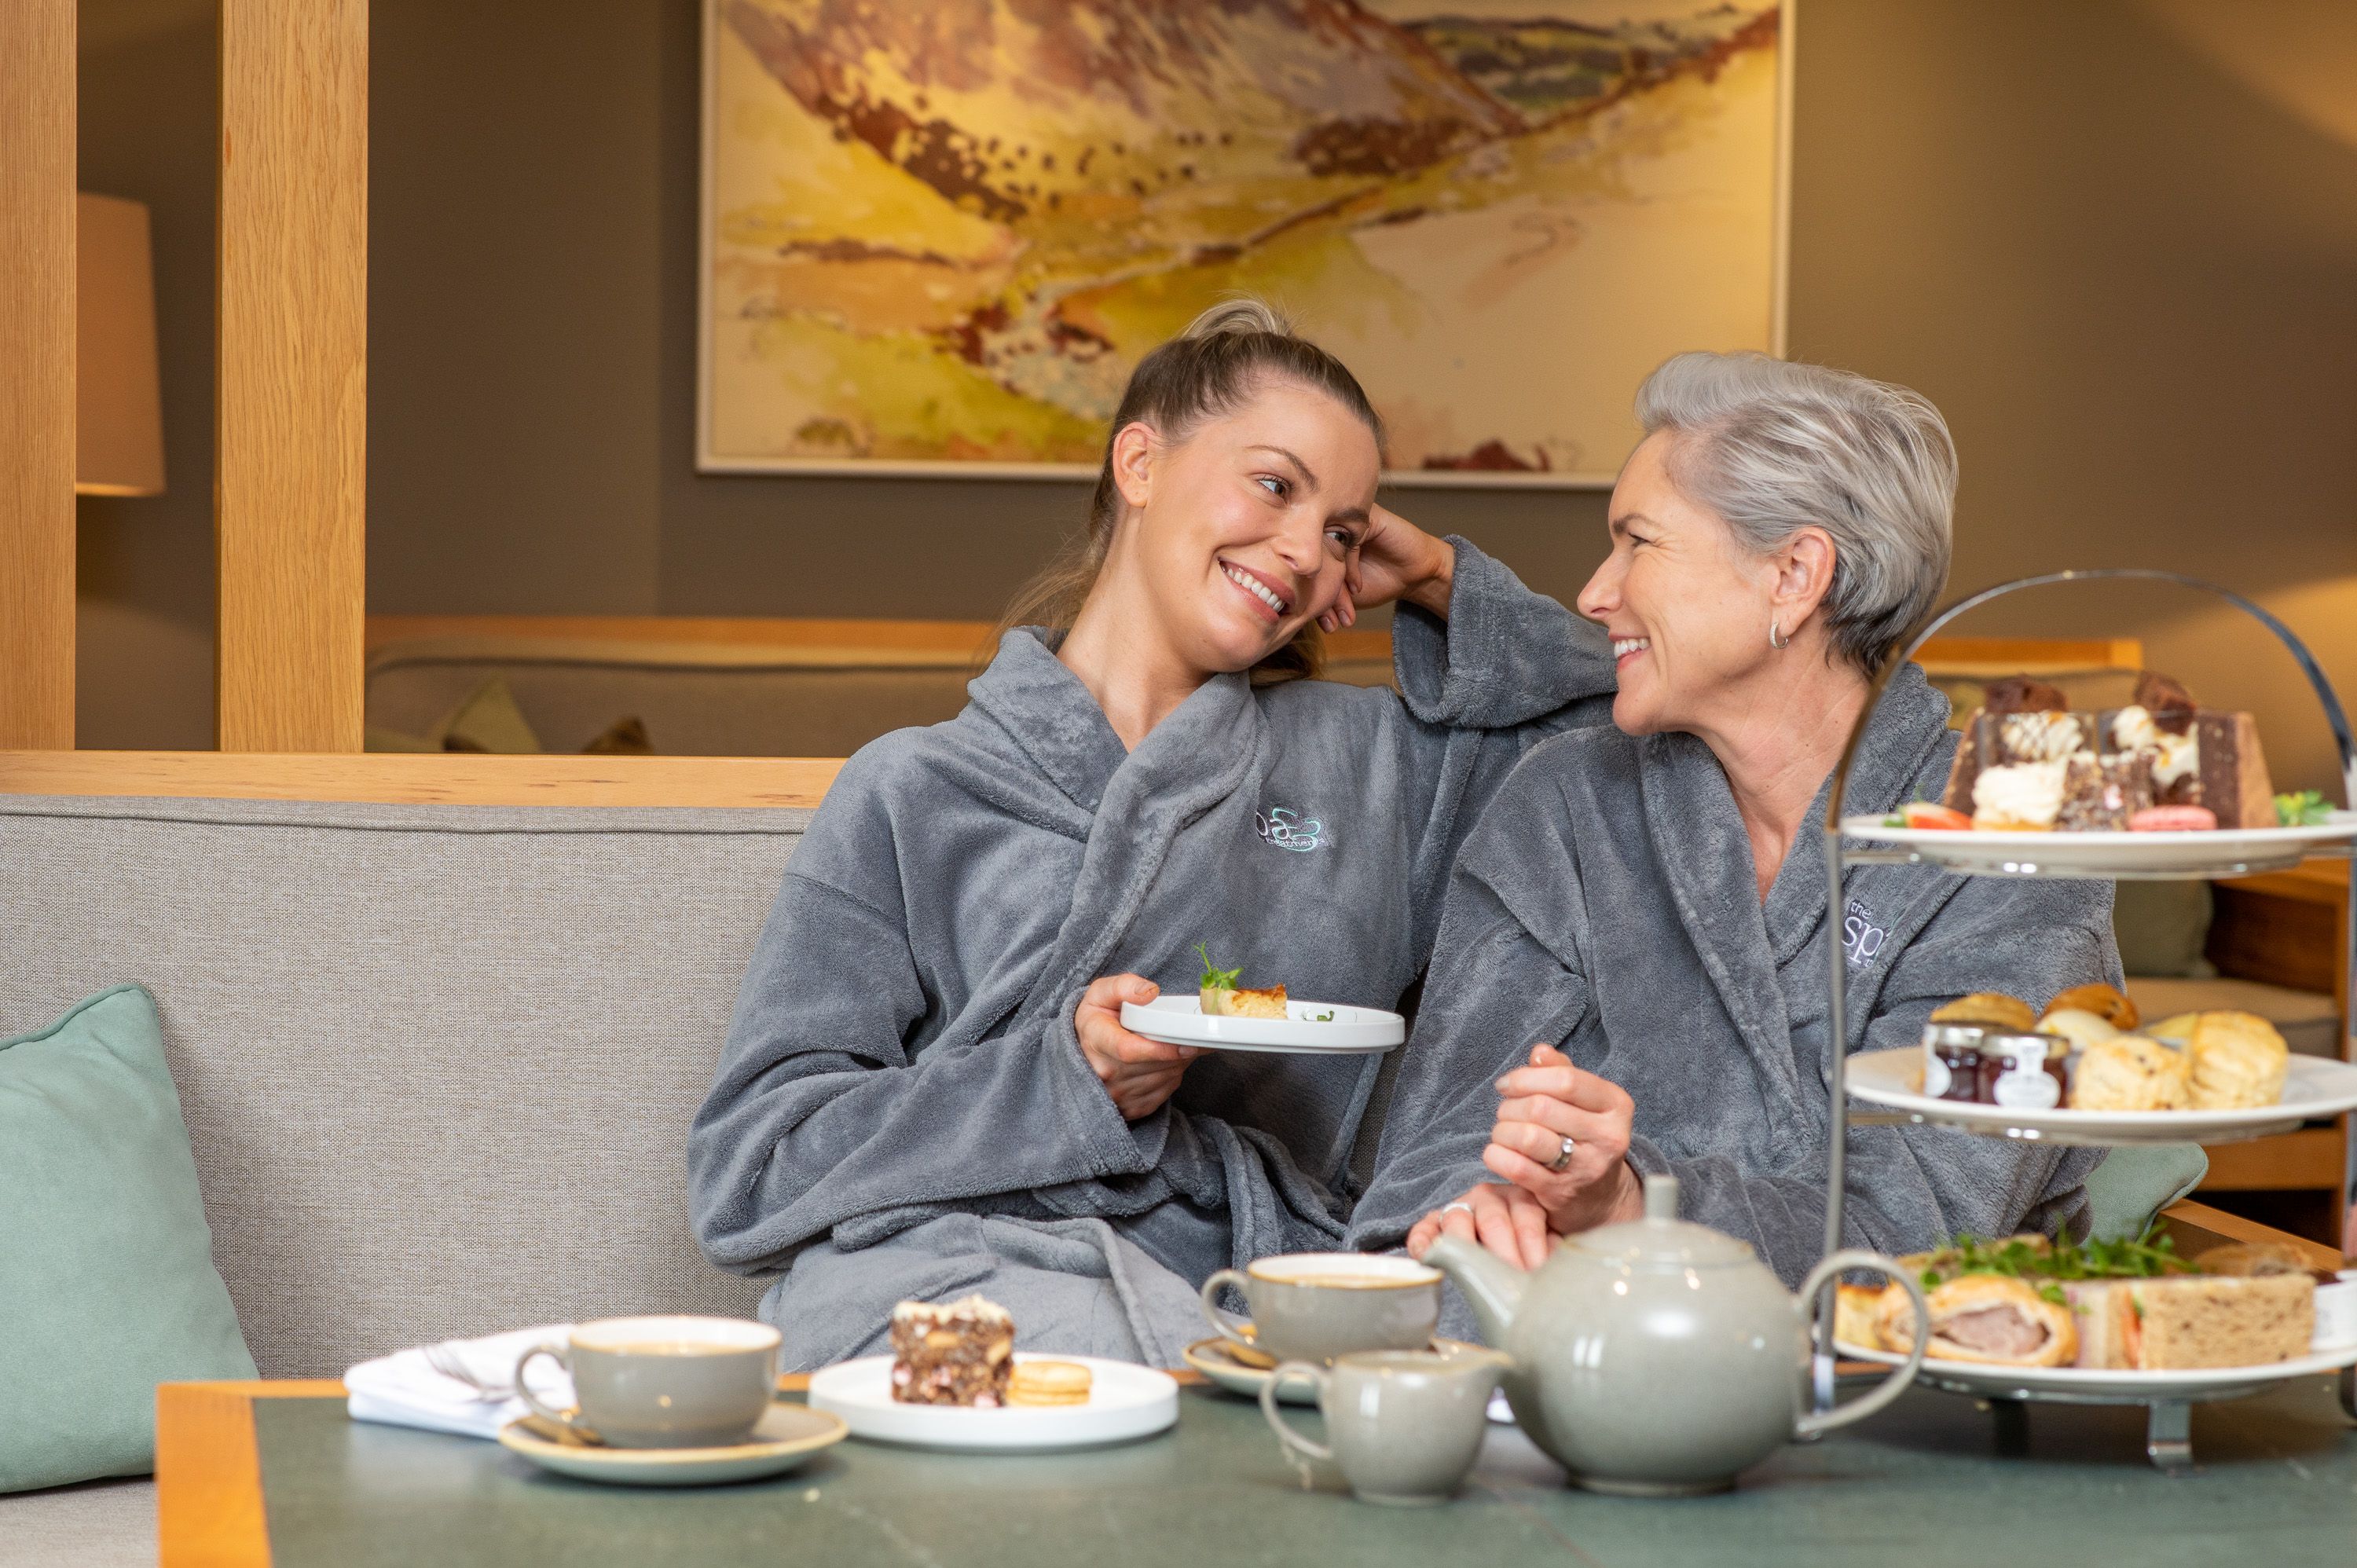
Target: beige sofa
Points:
(437, 1062)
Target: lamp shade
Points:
(119, 429)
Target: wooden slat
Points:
(292, 402)
(2008, 655)
(423, 778)
(2291, 1161)
(961, 639)
(37, 372)
(2197, 1228)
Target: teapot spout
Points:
(1492, 1285)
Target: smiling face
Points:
(1686, 606)
(1236, 538)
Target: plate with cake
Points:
(954, 1380)
(1223, 1015)
(2125, 1320)
(2089, 1068)
(2159, 786)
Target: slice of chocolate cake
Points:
(2162, 750)
(959, 1352)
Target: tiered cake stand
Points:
(2318, 1088)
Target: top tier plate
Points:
(2220, 852)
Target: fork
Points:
(443, 1358)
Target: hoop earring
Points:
(1773, 641)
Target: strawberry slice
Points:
(1931, 815)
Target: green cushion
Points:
(2136, 1182)
(107, 1284)
(2162, 928)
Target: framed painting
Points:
(936, 236)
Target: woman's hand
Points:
(1543, 1105)
(1506, 1220)
(1139, 1073)
(1393, 560)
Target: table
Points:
(274, 1473)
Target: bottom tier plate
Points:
(2314, 1087)
(2081, 1385)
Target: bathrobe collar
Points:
(1698, 840)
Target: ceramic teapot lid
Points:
(1661, 1240)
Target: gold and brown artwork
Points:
(943, 231)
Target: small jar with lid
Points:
(1951, 1061)
(2023, 1071)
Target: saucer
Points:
(785, 1437)
(1211, 1357)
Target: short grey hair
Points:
(1772, 447)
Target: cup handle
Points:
(1284, 1430)
(1218, 1319)
(532, 1401)
(1811, 1423)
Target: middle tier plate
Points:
(2314, 1087)
(1309, 1028)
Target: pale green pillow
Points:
(2137, 1181)
(107, 1284)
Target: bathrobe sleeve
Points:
(824, 1109)
(1497, 986)
(1913, 1188)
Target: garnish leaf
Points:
(1215, 978)
(2304, 809)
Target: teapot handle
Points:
(1813, 1424)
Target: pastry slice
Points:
(1992, 1009)
(1989, 1318)
(2108, 1003)
(1232, 1002)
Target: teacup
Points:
(1404, 1426)
(662, 1382)
(1314, 1306)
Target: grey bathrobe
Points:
(902, 1108)
(1607, 904)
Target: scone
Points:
(2078, 1026)
(1992, 1008)
(2239, 1062)
(2108, 1003)
(1049, 1382)
(2128, 1072)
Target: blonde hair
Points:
(1207, 371)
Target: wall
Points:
(2093, 233)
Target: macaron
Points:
(1049, 1382)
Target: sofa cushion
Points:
(437, 1062)
(108, 1286)
(102, 1524)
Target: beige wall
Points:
(2097, 238)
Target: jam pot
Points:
(1995, 1067)
(1951, 1061)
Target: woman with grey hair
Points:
(1630, 977)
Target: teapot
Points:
(1659, 1357)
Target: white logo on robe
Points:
(1861, 937)
(1282, 828)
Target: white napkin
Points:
(404, 1390)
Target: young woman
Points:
(927, 1089)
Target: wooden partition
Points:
(291, 410)
(37, 372)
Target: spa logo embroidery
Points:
(1281, 827)
(1861, 937)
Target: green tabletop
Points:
(1921, 1484)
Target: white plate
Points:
(2313, 1086)
(2088, 1386)
(1125, 1403)
(1318, 1028)
(786, 1436)
(2222, 852)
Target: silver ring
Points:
(1461, 1203)
(1562, 1161)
